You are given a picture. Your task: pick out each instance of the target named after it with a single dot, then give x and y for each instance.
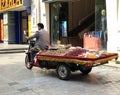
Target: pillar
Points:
(44, 11)
(111, 7)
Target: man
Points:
(42, 40)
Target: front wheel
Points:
(27, 63)
(86, 70)
(63, 71)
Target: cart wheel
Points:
(27, 63)
(63, 71)
(85, 70)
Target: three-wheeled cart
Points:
(65, 61)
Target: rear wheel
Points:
(63, 71)
(27, 63)
(86, 70)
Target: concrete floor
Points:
(15, 79)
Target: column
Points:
(111, 6)
(44, 11)
(33, 16)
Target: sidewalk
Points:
(12, 48)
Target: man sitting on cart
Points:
(42, 40)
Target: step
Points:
(12, 51)
(9, 49)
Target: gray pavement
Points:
(15, 79)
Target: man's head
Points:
(40, 26)
(103, 12)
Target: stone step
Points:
(12, 51)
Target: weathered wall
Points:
(78, 10)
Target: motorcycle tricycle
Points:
(73, 60)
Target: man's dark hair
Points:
(40, 25)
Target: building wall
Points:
(112, 25)
(35, 14)
(78, 10)
(45, 15)
(39, 13)
(9, 9)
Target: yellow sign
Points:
(29, 25)
(9, 4)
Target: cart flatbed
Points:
(71, 61)
(78, 60)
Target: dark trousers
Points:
(33, 54)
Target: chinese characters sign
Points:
(9, 4)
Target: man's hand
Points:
(26, 37)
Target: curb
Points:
(13, 49)
(9, 52)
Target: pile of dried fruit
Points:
(76, 52)
(59, 52)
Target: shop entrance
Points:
(59, 21)
(21, 24)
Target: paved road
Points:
(15, 79)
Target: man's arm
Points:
(31, 37)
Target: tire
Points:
(27, 63)
(63, 71)
(85, 70)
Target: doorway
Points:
(58, 21)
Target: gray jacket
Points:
(42, 39)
